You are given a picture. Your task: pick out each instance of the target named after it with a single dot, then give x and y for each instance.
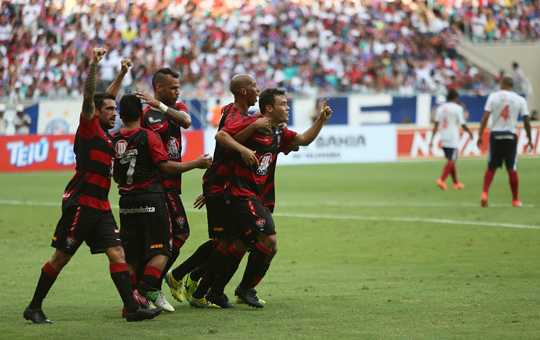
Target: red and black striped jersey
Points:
(216, 178)
(258, 181)
(171, 136)
(137, 155)
(92, 180)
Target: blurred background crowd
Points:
(400, 47)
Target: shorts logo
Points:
(120, 147)
(156, 246)
(181, 221)
(264, 163)
(260, 222)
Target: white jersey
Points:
(450, 118)
(505, 107)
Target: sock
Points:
(258, 263)
(149, 280)
(231, 263)
(174, 255)
(121, 278)
(215, 264)
(488, 178)
(446, 170)
(453, 173)
(197, 259)
(513, 178)
(45, 282)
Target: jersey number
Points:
(505, 113)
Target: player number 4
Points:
(505, 113)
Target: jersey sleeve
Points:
(156, 148)
(287, 140)
(88, 128)
(461, 115)
(489, 103)
(234, 125)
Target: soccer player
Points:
(166, 116)
(249, 186)
(144, 217)
(86, 212)
(504, 107)
(215, 181)
(448, 119)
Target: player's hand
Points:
(125, 64)
(530, 146)
(479, 142)
(263, 123)
(98, 53)
(204, 161)
(200, 201)
(148, 99)
(325, 111)
(249, 157)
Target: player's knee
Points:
(116, 254)
(59, 259)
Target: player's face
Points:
(280, 110)
(107, 113)
(251, 92)
(169, 90)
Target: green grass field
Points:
(367, 251)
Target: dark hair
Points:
(267, 97)
(452, 95)
(100, 97)
(515, 64)
(159, 75)
(130, 108)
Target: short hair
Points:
(515, 64)
(130, 108)
(161, 73)
(452, 95)
(100, 97)
(268, 96)
(507, 81)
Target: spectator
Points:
(22, 121)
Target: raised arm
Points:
(116, 84)
(311, 133)
(88, 108)
(181, 117)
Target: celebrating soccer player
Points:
(86, 212)
(504, 107)
(448, 119)
(166, 116)
(146, 230)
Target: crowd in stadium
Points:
(330, 46)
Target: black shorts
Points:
(502, 148)
(253, 219)
(450, 153)
(146, 229)
(180, 225)
(79, 223)
(220, 217)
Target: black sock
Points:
(174, 255)
(215, 263)
(256, 268)
(196, 260)
(122, 281)
(149, 280)
(45, 282)
(231, 263)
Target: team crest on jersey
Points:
(173, 148)
(264, 164)
(120, 147)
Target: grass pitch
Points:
(367, 251)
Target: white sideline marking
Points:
(394, 204)
(334, 217)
